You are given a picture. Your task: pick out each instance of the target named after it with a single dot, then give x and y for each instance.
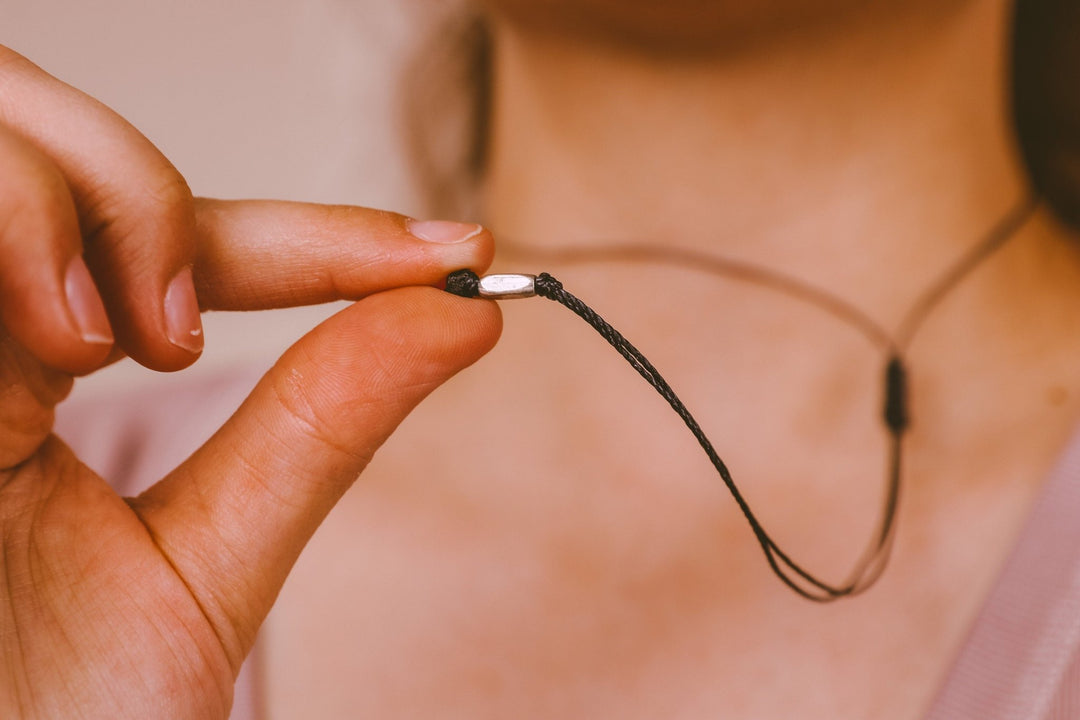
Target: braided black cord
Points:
(466, 284)
(550, 288)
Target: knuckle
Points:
(167, 190)
(164, 197)
(158, 203)
(34, 198)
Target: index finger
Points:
(261, 254)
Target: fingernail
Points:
(183, 323)
(85, 303)
(445, 232)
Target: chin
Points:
(675, 26)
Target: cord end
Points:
(463, 283)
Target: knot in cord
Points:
(547, 286)
(464, 283)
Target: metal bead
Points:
(507, 286)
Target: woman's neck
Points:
(862, 155)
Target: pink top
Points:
(1021, 660)
(1022, 657)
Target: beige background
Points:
(291, 99)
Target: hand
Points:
(146, 607)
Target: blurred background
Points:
(280, 99)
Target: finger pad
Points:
(371, 363)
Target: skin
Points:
(604, 576)
(693, 29)
(565, 552)
(145, 607)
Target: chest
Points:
(526, 595)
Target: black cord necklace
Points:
(895, 411)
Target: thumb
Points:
(234, 517)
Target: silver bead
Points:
(507, 286)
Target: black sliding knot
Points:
(896, 411)
(547, 286)
(464, 283)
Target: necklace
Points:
(895, 413)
